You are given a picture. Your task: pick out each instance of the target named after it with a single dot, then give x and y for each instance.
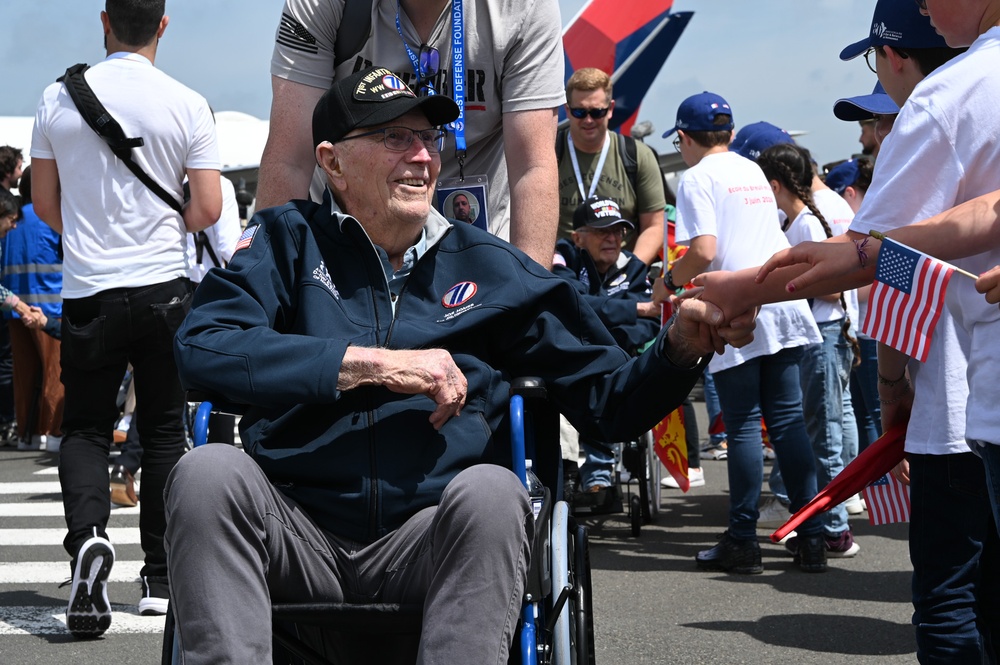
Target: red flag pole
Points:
(874, 462)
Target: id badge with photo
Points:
(465, 200)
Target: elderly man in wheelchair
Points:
(373, 343)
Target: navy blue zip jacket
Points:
(271, 331)
(613, 295)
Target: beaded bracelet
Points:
(897, 398)
(889, 382)
(862, 254)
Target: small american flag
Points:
(906, 299)
(247, 237)
(888, 501)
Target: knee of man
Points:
(203, 476)
(486, 493)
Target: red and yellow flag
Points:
(670, 443)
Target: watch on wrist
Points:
(669, 281)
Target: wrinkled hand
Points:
(699, 330)
(989, 284)
(430, 372)
(828, 260)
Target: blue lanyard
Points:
(457, 74)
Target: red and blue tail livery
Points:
(628, 39)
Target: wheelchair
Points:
(636, 488)
(556, 625)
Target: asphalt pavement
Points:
(651, 604)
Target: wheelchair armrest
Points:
(528, 386)
(217, 402)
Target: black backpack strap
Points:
(110, 130)
(629, 155)
(202, 245)
(353, 33)
(561, 143)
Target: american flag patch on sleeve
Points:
(247, 237)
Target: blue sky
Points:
(774, 60)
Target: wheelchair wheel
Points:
(583, 634)
(635, 514)
(653, 475)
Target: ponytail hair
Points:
(791, 165)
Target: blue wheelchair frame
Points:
(557, 632)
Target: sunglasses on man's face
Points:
(596, 114)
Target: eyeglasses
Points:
(399, 139)
(430, 64)
(618, 230)
(677, 143)
(596, 114)
(871, 58)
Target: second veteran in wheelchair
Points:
(374, 342)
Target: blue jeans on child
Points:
(829, 415)
(769, 386)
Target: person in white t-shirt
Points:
(727, 216)
(826, 367)
(942, 148)
(125, 287)
(214, 246)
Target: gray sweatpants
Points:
(234, 544)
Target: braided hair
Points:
(791, 165)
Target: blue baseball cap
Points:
(757, 138)
(842, 176)
(865, 107)
(697, 113)
(896, 23)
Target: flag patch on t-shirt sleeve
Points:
(247, 237)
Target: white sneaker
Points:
(52, 442)
(89, 612)
(772, 513)
(854, 505)
(696, 478)
(768, 452)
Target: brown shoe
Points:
(123, 487)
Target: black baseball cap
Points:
(372, 97)
(598, 212)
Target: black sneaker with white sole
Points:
(155, 596)
(89, 612)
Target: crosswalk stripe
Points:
(51, 509)
(48, 471)
(56, 572)
(49, 621)
(42, 487)
(9, 537)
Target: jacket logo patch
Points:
(459, 294)
(322, 275)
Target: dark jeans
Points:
(954, 550)
(101, 335)
(6, 374)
